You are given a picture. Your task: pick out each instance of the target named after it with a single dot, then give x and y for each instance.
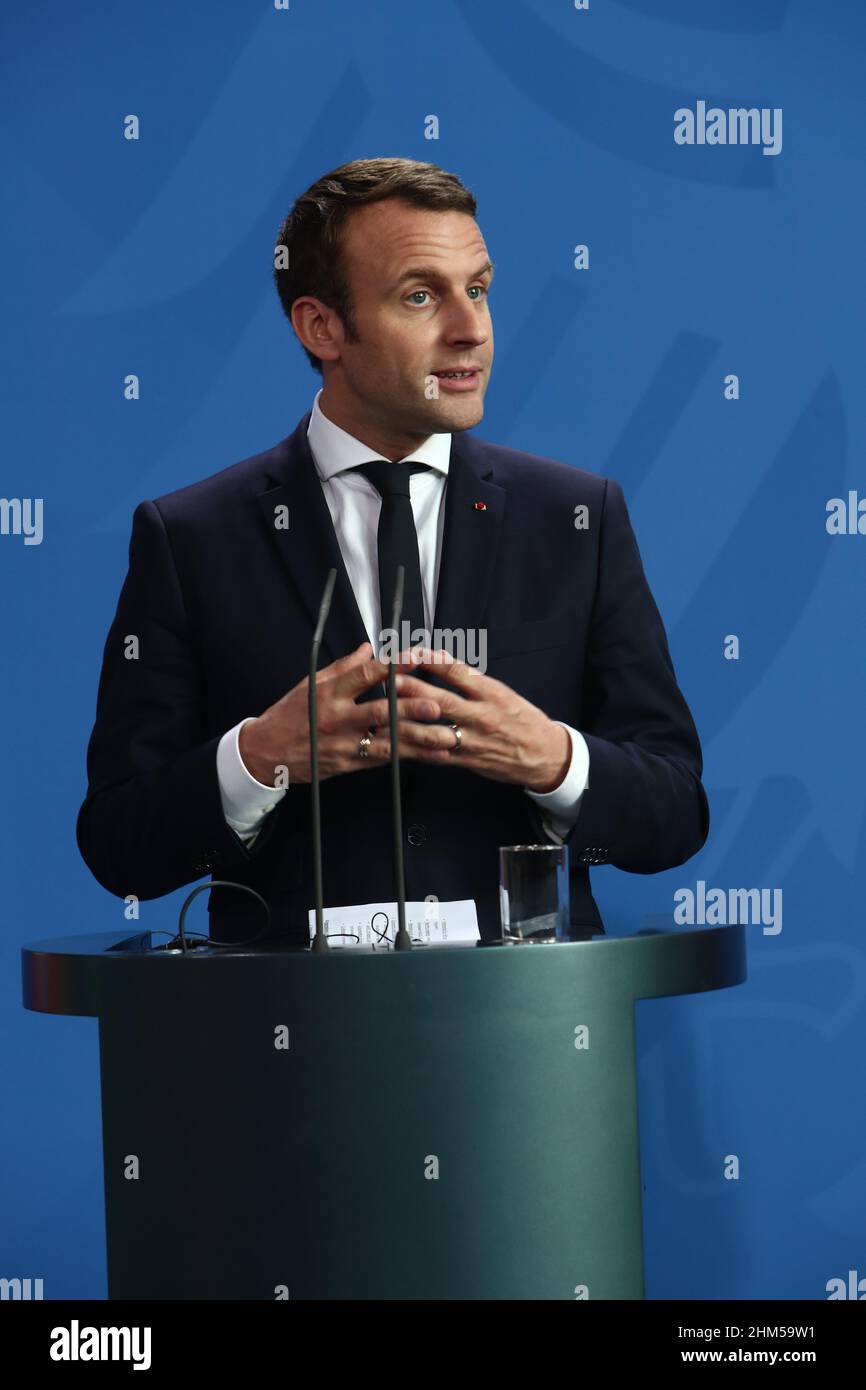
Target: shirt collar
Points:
(334, 450)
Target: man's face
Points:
(419, 281)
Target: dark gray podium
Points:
(445, 1123)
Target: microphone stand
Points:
(403, 941)
(320, 941)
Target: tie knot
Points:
(391, 479)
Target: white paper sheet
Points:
(373, 926)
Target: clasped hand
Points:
(503, 736)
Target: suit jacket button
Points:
(416, 834)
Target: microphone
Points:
(320, 941)
(403, 941)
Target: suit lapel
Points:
(308, 546)
(470, 538)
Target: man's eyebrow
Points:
(429, 272)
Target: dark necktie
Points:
(397, 542)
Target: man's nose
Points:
(466, 325)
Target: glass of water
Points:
(533, 893)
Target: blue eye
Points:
(483, 288)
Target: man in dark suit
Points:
(563, 723)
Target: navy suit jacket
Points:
(223, 604)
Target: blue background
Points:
(154, 257)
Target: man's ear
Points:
(318, 328)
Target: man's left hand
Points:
(503, 736)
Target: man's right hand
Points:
(280, 737)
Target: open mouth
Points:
(461, 380)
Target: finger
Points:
(361, 676)
(417, 685)
(432, 737)
(465, 678)
(379, 753)
(413, 657)
(349, 661)
(375, 713)
(457, 708)
(412, 687)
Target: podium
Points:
(443, 1123)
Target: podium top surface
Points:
(87, 975)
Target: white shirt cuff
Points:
(245, 800)
(560, 807)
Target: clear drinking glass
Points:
(533, 893)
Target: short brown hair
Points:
(312, 232)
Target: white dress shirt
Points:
(354, 505)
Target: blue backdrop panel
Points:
(706, 262)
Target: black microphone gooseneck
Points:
(320, 941)
(403, 941)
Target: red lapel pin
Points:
(480, 506)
